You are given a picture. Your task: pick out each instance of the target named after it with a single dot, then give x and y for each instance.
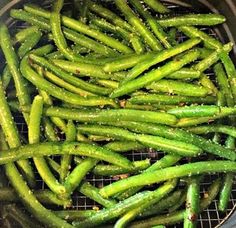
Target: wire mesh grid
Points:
(211, 217)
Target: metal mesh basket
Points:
(211, 217)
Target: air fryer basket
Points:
(227, 32)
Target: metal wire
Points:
(211, 217)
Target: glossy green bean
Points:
(166, 161)
(111, 170)
(69, 78)
(6, 77)
(162, 99)
(202, 111)
(93, 193)
(132, 214)
(224, 84)
(209, 41)
(167, 173)
(192, 19)
(230, 70)
(206, 82)
(109, 15)
(138, 25)
(29, 44)
(124, 146)
(178, 216)
(66, 159)
(34, 137)
(23, 34)
(122, 207)
(152, 22)
(82, 28)
(57, 92)
(156, 74)
(179, 134)
(185, 74)
(127, 61)
(70, 34)
(71, 148)
(179, 88)
(227, 182)
(84, 69)
(12, 136)
(180, 203)
(192, 203)
(160, 57)
(157, 6)
(56, 168)
(13, 64)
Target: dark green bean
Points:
(6, 77)
(156, 74)
(71, 215)
(23, 34)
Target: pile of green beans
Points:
(96, 87)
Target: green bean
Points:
(111, 170)
(66, 159)
(82, 28)
(34, 137)
(162, 205)
(154, 25)
(173, 147)
(208, 84)
(83, 69)
(74, 179)
(53, 165)
(83, 12)
(230, 70)
(156, 74)
(29, 43)
(109, 15)
(224, 129)
(138, 25)
(23, 34)
(93, 193)
(44, 50)
(58, 36)
(157, 6)
(227, 182)
(13, 64)
(179, 88)
(124, 146)
(178, 216)
(224, 84)
(160, 57)
(132, 214)
(70, 34)
(177, 134)
(209, 41)
(122, 207)
(192, 19)
(110, 115)
(127, 61)
(21, 188)
(166, 161)
(202, 111)
(182, 200)
(130, 37)
(192, 203)
(69, 78)
(6, 77)
(185, 74)
(128, 105)
(212, 58)
(172, 36)
(57, 92)
(71, 215)
(162, 99)
(108, 83)
(71, 148)
(49, 130)
(98, 138)
(12, 135)
(167, 173)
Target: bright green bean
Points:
(111, 170)
(57, 92)
(124, 146)
(157, 6)
(156, 74)
(23, 34)
(160, 57)
(185, 74)
(192, 19)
